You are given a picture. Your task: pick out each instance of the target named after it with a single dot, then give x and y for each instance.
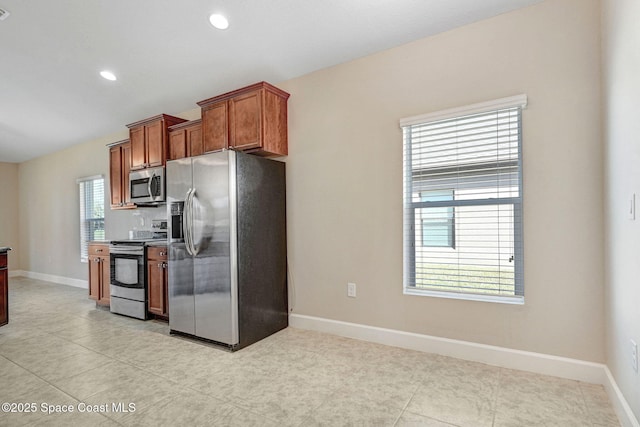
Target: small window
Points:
(91, 212)
(463, 202)
(438, 228)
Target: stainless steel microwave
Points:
(147, 185)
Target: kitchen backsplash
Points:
(118, 223)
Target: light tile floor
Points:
(58, 349)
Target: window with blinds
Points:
(91, 212)
(463, 202)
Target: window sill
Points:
(515, 300)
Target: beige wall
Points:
(9, 219)
(345, 179)
(621, 84)
(49, 208)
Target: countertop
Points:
(155, 242)
(4, 249)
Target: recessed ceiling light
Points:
(4, 14)
(219, 21)
(108, 75)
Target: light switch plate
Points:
(351, 290)
(631, 208)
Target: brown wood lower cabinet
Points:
(99, 273)
(4, 290)
(157, 281)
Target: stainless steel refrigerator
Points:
(227, 247)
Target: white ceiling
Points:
(167, 56)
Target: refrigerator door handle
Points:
(192, 226)
(186, 224)
(192, 246)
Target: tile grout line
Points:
(52, 385)
(495, 399)
(406, 405)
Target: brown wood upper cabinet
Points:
(252, 119)
(99, 273)
(119, 167)
(185, 140)
(149, 140)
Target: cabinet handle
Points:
(163, 253)
(97, 259)
(98, 250)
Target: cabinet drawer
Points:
(98, 249)
(157, 252)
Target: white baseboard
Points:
(77, 283)
(620, 404)
(563, 367)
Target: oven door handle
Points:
(130, 252)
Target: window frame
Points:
(85, 223)
(410, 206)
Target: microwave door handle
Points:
(149, 185)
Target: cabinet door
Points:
(157, 280)
(126, 168)
(4, 297)
(119, 168)
(245, 120)
(155, 277)
(194, 141)
(177, 144)
(95, 277)
(155, 143)
(105, 281)
(214, 127)
(165, 290)
(138, 151)
(115, 176)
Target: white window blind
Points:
(463, 201)
(91, 212)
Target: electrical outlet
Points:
(351, 290)
(634, 355)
